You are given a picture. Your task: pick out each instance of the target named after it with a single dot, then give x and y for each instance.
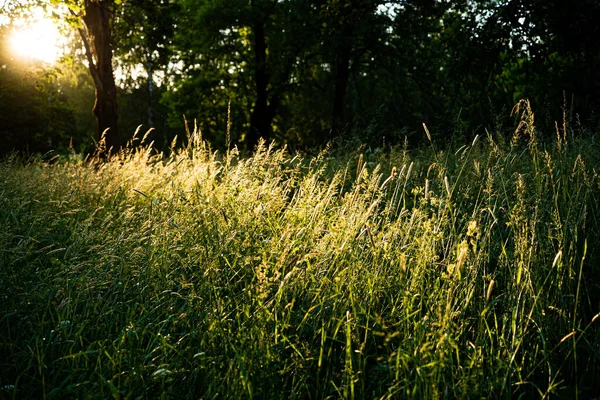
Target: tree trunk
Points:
(341, 70)
(150, 70)
(260, 121)
(97, 38)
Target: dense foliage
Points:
(304, 72)
(470, 273)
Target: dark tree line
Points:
(304, 72)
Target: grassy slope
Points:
(434, 274)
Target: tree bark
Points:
(97, 38)
(150, 70)
(341, 70)
(262, 114)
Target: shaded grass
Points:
(429, 274)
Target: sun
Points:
(38, 39)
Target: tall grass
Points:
(461, 273)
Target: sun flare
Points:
(37, 39)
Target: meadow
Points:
(463, 271)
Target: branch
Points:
(88, 51)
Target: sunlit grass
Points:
(466, 273)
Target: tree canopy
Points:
(303, 72)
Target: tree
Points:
(144, 30)
(564, 54)
(94, 19)
(503, 51)
(344, 23)
(249, 49)
(264, 108)
(282, 33)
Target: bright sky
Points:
(37, 38)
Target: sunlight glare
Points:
(37, 39)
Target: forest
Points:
(299, 73)
(272, 199)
